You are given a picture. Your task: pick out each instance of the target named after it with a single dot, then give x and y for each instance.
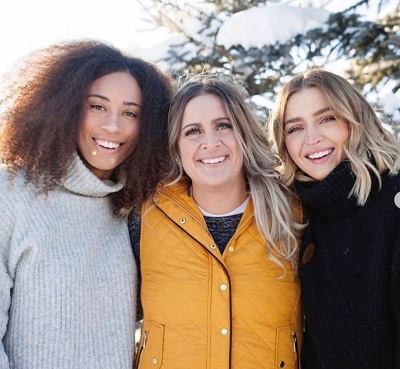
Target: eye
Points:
(327, 119)
(192, 132)
(131, 114)
(97, 107)
(293, 129)
(223, 126)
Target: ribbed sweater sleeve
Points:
(6, 271)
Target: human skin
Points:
(211, 154)
(110, 123)
(314, 137)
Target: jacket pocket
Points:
(286, 349)
(151, 346)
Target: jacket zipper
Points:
(142, 346)
(296, 350)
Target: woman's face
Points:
(110, 123)
(209, 150)
(314, 138)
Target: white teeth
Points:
(107, 144)
(213, 161)
(320, 154)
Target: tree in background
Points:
(370, 49)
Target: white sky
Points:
(26, 25)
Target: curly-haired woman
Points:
(79, 126)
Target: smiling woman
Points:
(315, 138)
(78, 146)
(345, 167)
(217, 245)
(110, 122)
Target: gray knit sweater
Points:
(67, 276)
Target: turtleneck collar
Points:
(82, 181)
(330, 197)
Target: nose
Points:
(211, 140)
(313, 135)
(111, 123)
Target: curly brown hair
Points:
(41, 113)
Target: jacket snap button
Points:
(223, 287)
(154, 360)
(182, 220)
(231, 248)
(213, 246)
(397, 199)
(308, 253)
(224, 331)
(155, 198)
(281, 364)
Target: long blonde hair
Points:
(272, 200)
(370, 149)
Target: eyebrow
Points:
(296, 119)
(128, 103)
(214, 121)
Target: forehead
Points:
(116, 82)
(204, 106)
(305, 100)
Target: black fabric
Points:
(134, 223)
(350, 275)
(222, 229)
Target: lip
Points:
(107, 141)
(320, 154)
(214, 160)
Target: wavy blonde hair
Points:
(272, 199)
(370, 148)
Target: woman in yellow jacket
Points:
(218, 242)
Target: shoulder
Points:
(13, 188)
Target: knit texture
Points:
(351, 283)
(222, 229)
(67, 276)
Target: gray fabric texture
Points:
(67, 276)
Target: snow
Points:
(267, 25)
(255, 28)
(391, 106)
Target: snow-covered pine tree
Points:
(371, 49)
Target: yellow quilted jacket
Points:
(204, 310)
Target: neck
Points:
(220, 200)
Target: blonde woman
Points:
(218, 245)
(345, 168)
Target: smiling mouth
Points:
(107, 144)
(319, 155)
(213, 161)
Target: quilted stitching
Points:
(181, 279)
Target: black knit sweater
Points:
(350, 274)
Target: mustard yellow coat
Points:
(204, 310)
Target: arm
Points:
(6, 273)
(6, 283)
(395, 296)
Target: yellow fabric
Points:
(204, 310)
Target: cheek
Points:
(292, 148)
(344, 136)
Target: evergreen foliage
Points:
(371, 49)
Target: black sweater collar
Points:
(330, 197)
